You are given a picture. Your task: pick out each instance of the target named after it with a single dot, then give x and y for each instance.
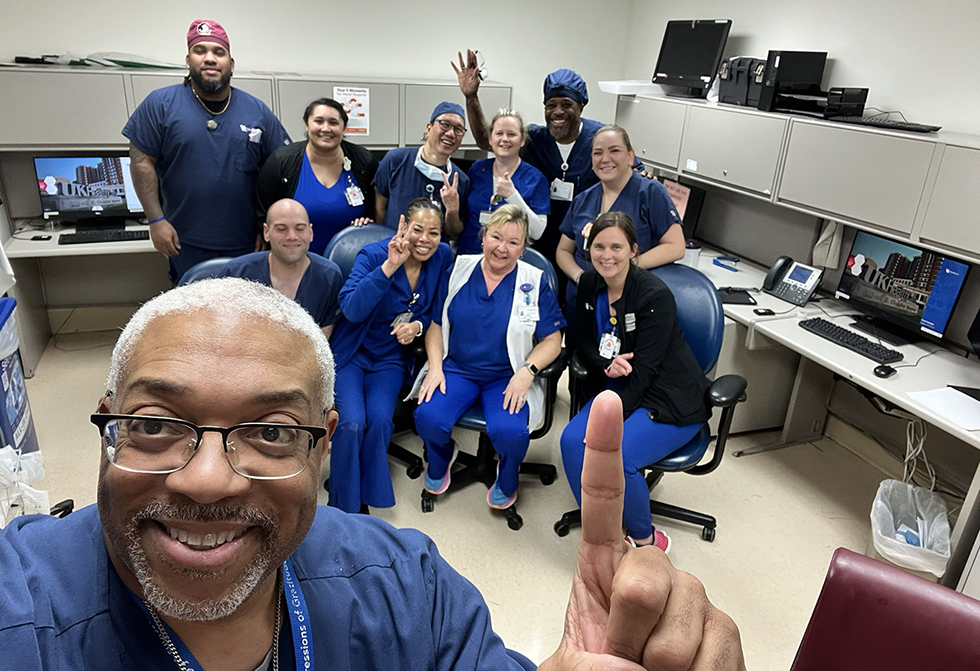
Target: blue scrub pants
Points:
(645, 442)
(359, 451)
(509, 433)
(189, 256)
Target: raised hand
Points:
(504, 187)
(630, 609)
(467, 73)
(450, 193)
(398, 249)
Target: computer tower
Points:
(799, 72)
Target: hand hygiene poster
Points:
(357, 104)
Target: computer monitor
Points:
(86, 188)
(687, 201)
(690, 55)
(909, 288)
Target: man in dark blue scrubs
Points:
(195, 151)
(290, 268)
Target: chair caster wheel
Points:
(708, 534)
(414, 472)
(547, 479)
(326, 484)
(561, 529)
(515, 522)
(427, 505)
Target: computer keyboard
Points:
(107, 235)
(887, 123)
(851, 340)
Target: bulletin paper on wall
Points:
(357, 104)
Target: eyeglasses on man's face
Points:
(446, 126)
(158, 445)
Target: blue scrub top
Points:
(328, 208)
(400, 181)
(65, 608)
(207, 177)
(317, 291)
(478, 337)
(647, 203)
(528, 181)
(370, 301)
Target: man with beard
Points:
(195, 151)
(311, 280)
(207, 549)
(561, 149)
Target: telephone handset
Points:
(792, 281)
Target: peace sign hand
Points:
(398, 249)
(450, 193)
(630, 609)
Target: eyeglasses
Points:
(458, 131)
(256, 450)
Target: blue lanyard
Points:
(299, 621)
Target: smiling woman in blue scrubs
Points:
(495, 324)
(659, 236)
(505, 178)
(385, 304)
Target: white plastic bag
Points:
(898, 503)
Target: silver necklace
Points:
(169, 646)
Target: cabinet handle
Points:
(643, 151)
(725, 173)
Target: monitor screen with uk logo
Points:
(86, 186)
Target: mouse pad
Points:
(736, 297)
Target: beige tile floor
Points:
(780, 517)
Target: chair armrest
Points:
(576, 367)
(726, 391)
(554, 369)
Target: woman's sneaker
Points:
(660, 540)
(497, 500)
(437, 487)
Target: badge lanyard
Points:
(353, 193)
(433, 173)
(405, 316)
(299, 622)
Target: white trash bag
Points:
(904, 510)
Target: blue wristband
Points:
(153, 221)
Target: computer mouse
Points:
(884, 370)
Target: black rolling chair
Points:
(203, 270)
(703, 322)
(342, 250)
(482, 467)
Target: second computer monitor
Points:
(911, 288)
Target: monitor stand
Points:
(879, 328)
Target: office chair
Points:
(482, 467)
(703, 323)
(203, 270)
(342, 250)
(872, 615)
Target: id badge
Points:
(402, 318)
(485, 216)
(608, 346)
(561, 190)
(355, 196)
(528, 314)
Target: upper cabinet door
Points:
(733, 148)
(865, 176)
(61, 109)
(655, 128)
(952, 218)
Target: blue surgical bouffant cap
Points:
(566, 84)
(447, 108)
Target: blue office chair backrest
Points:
(343, 247)
(536, 259)
(203, 270)
(698, 310)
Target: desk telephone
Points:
(792, 281)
